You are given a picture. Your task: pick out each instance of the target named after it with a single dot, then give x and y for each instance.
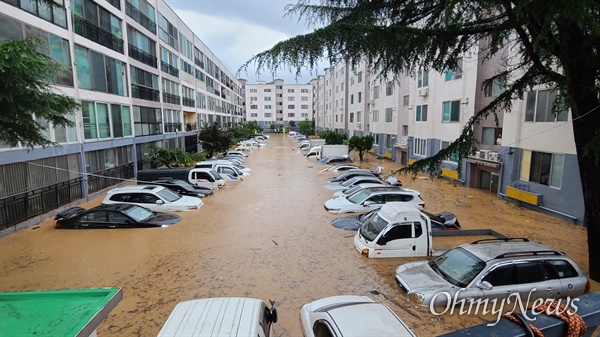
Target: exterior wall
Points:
(118, 147)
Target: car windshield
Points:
(359, 196)
(349, 182)
(138, 213)
(184, 185)
(215, 175)
(373, 225)
(352, 190)
(168, 195)
(457, 266)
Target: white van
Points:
(204, 177)
(226, 170)
(224, 316)
(397, 230)
(314, 151)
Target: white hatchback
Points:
(155, 198)
(351, 316)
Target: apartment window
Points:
(351, 99)
(253, 99)
(97, 24)
(540, 105)
(388, 115)
(96, 124)
(254, 115)
(304, 114)
(454, 74)
(253, 106)
(252, 91)
(304, 106)
(144, 85)
(172, 120)
(291, 114)
(267, 98)
(268, 114)
(304, 98)
(267, 107)
(291, 106)
(406, 100)
(422, 79)
(198, 58)
(290, 91)
(169, 62)
(267, 90)
(147, 121)
(358, 116)
(421, 113)
(187, 68)
(121, 120)
(167, 32)
(200, 76)
(141, 47)
(359, 97)
(450, 111)
(291, 99)
(68, 134)
(304, 91)
(405, 130)
(55, 13)
(389, 88)
(387, 141)
(186, 47)
(376, 92)
(490, 135)
(495, 89)
(99, 73)
(143, 13)
(336, 118)
(375, 115)
(359, 76)
(453, 157)
(352, 117)
(420, 147)
(542, 168)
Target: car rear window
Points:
(563, 268)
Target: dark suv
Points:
(180, 186)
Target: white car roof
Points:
(136, 188)
(214, 317)
(399, 211)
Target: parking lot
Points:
(267, 237)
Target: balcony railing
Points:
(199, 62)
(142, 56)
(189, 102)
(172, 127)
(89, 30)
(171, 99)
(141, 92)
(140, 17)
(169, 69)
(191, 127)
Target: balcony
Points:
(171, 99)
(191, 126)
(142, 56)
(172, 127)
(140, 17)
(189, 102)
(90, 31)
(169, 69)
(141, 92)
(199, 62)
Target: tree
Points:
(273, 127)
(214, 140)
(306, 128)
(552, 45)
(173, 157)
(27, 98)
(292, 124)
(332, 137)
(361, 144)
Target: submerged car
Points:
(181, 187)
(113, 216)
(351, 316)
(354, 181)
(493, 269)
(339, 168)
(156, 198)
(373, 198)
(443, 221)
(334, 159)
(358, 187)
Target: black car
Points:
(439, 222)
(181, 187)
(113, 216)
(334, 160)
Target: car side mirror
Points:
(159, 202)
(485, 285)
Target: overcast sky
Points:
(235, 30)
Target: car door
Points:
(396, 241)
(571, 283)
(535, 281)
(372, 202)
(119, 220)
(503, 280)
(94, 219)
(148, 200)
(202, 178)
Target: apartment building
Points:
(143, 78)
(528, 157)
(277, 103)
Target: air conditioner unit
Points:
(423, 92)
(404, 141)
(493, 156)
(372, 102)
(482, 154)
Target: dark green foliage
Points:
(292, 124)
(273, 127)
(242, 131)
(214, 140)
(332, 137)
(548, 43)
(307, 128)
(360, 144)
(173, 157)
(25, 91)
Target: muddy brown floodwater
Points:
(266, 237)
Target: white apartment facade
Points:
(143, 77)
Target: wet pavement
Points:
(266, 237)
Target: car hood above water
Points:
(419, 277)
(162, 219)
(349, 223)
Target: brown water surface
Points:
(267, 237)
